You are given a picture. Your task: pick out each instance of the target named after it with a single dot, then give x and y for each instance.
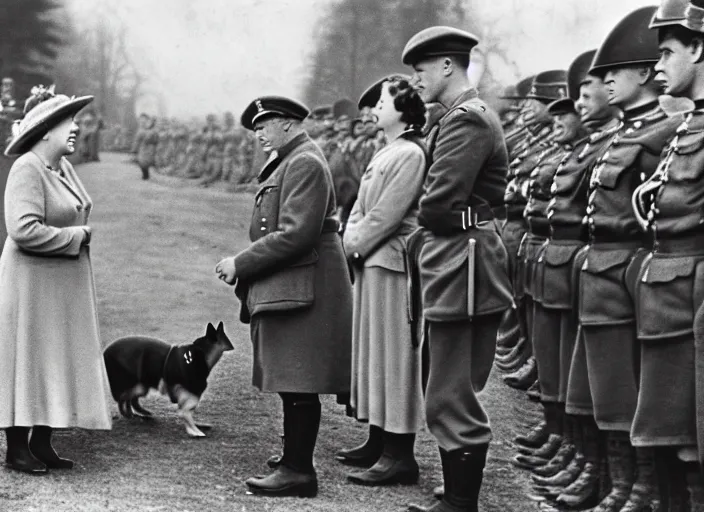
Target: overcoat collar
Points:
(469, 94)
(276, 157)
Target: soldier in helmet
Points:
(669, 205)
(617, 245)
(546, 87)
(562, 371)
(546, 322)
(462, 261)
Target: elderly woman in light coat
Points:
(52, 373)
(386, 366)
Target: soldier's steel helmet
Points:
(576, 74)
(630, 43)
(549, 86)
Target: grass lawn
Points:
(155, 245)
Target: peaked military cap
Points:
(438, 41)
(522, 88)
(629, 43)
(277, 106)
(344, 107)
(576, 73)
(549, 86)
(370, 96)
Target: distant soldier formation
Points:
(222, 152)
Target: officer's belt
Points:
(568, 232)
(331, 225)
(462, 220)
(693, 243)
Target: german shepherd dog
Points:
(136, 364)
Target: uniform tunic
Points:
(386, 367)
(293, 279)
(469, 165)
(606, 311)
(670, 290)
(51, 370)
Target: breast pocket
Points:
(618, 160)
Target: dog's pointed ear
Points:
(210, 331)
(221, 328)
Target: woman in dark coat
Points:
(295, 289)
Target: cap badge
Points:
(533, 90)
(258, 103)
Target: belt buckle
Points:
(468, 219)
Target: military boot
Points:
(463, 472)
(644, 494)
(366, 454)
(19, 457)
(621, 467)
(561, 460)
(584, 491)
(546, 451)
(524, 376)
(295, 474)
(541, 456)
(41, 448)
(535, 438)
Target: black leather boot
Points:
(295, 474)
(463, 472)
(19, 457)
(40, 445)
(366, 454)
(397, 464)
(524, 376)
(584, 491)
(535, 438)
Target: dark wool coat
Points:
(293, 279)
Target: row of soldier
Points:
(228, 153)
(604, 233)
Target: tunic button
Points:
(553, 188)
(263, 228)
(591, 221)
(590, 209)
(642, 176)
(585, 220)
(637, 124)
(263, 219)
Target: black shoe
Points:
(285, 482)
(524, 376)
(388, 471)
(40, 445)
(535, 438)
(367, 453)
(19, 457)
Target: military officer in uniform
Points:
(616, 250)
(670, 290)
(294, 287)
(579, 451)
(463, 262)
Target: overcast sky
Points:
(225, 52)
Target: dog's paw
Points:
(194, 432)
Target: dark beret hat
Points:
(279, 106)
(370, 96)
(549, 85)
(436, 42)
(629, 43)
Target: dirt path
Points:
(154, 248)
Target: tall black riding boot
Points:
(295, 475)
(397, 464)
(19, 457)
(463, 472)
(366, 454)
(40, 445)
